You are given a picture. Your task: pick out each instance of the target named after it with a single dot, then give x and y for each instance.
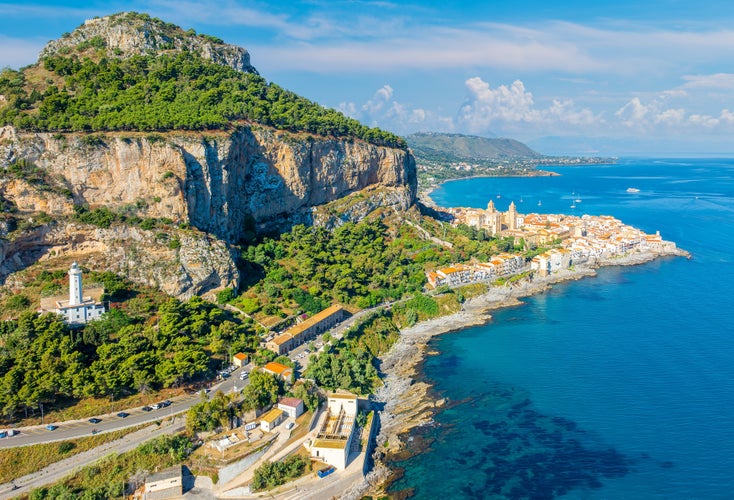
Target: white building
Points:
(78, 310)
(334, 440)
(292, 406)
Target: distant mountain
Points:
(458, 147)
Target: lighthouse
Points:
(75, 285)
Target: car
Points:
(146, 408)
(52, 427)
(156, 406)
(95, 420)
(123, 414)
(168, 402)
(289, 425)
(244, 375)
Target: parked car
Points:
(123, 414)
(95, 420)
(156, 406)
(168, 402)
(289, 425)
(244, 375)
(146, 408)
(52, 427)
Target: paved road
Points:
(111, 422)
(59, 470)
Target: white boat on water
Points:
(633, 190)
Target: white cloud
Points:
(671, 117)
(705, 121)
(717, 80)
(512, 106)
(378, 101)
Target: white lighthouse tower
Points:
(75, 285)
(78, 310)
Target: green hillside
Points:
(84, 88)
(458, 147)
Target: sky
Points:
(616, 78)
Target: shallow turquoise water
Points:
(619, 386)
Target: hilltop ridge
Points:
(460, 147)
(127, 34)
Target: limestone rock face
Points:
(128, 34)
(215, 183)
(198, 265)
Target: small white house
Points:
(271, 419)
(293, 407)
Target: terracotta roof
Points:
(316, 318)
(292, 402)
(276, 367)
(241, 356)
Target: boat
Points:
(577, 200)
(540, 203)
(633, 190)
(573, 205)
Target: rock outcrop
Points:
(194, 265)
(129, 33)
(217, 183)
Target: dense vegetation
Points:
(172, 91)
(145, 346)
(350, 363)
(272, 474)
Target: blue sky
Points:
(570, 77)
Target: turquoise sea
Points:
(614, 387)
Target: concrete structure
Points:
(165, 484)
(240, 359)
(279, 370)
(334, 439)
(78, 310)
(307, 329)
(271, 419)
(293, 407)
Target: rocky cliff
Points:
(217, 183)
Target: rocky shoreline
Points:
(408, 402)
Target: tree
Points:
(262, 390)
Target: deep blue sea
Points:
(614, 387)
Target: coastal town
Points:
(570, 241)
